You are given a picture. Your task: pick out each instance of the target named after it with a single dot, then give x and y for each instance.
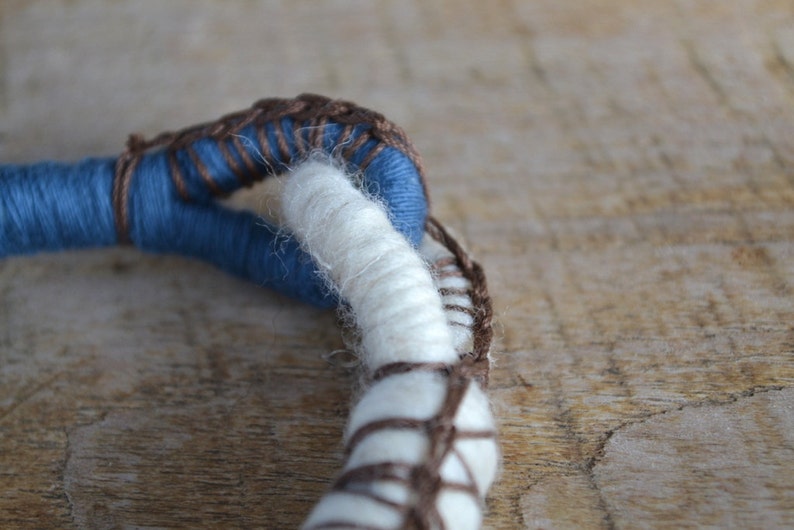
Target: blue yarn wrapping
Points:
(50, 206)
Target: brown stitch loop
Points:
(453, 291)
(443, 274)
(344, 138)
(316, 133)
(460, 309)
(125, 167)
(176, 175)
(384, 471)
(375, 497)
(402, 367)
(379, 425)
(281, 140)
(232, 162)
(371, 156)
(263, 146)
(202, 169)
(248, 161)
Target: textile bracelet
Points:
(421, 441)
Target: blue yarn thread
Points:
(50, 206)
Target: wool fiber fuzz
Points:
(420, 417)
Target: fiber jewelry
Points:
(421, 440)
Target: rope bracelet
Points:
(421, 440)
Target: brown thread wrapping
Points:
(397, 368)
(312, 111)
(232, 163)
(281, 140)
(202, 169)
(297, 134)
(460, 309)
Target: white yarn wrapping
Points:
(402, 319)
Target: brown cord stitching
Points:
(400, 367)
(205, 174)
(264, 147)
(232, 163)
(383, 471)
(315, 110)
(444, 262)
(467, 470)
(343, 138)
(125, 168)
(379, 425)
(460, 309)
(250, 165)
(281, 141)
(454, 291)
(444, 274)
(176, 175)
(351, 149)
(317, 133)
(397, 472)
(371, 156)
(375, 497)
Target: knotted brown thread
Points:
(307, 110)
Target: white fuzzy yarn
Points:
(402, 319)
(373, 266)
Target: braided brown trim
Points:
(313, 112)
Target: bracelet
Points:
(421, 439)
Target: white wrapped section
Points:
(415, 321)
(372, 265)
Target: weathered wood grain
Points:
(624, 170)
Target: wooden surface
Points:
(624, 170)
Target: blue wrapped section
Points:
(52, 206)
